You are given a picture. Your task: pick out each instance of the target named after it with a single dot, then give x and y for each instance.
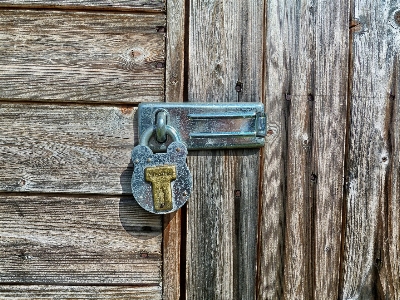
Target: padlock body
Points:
(161, 182)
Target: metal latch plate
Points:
(207, 125)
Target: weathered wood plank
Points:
(78, 240)
(174, 84)
(28, 292)
(371, 265)
(273, 174)
(158, 5)
(172, 239)
(390, 212)
(70, 148)
(81, 57)
(300, 233)
(247, 172)
(174, 77)
(298, 257)
(221, 238)
(328, 142)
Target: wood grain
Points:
(81, 56)
(298, 256)
(174, 74)
(69, 149)
(174, 84)
(371, 266)
(78, 240)
(221, 229)
(328, 142)
(172, 241)
(28, 292)
(300, 233)
(273, 175)
(157, 5)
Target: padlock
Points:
(161, 182)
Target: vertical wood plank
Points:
(272, 219)
(371, 266)
(174, 83)
(248, 161)
(174, 77)
(221, 245)
(390, 215)
(306, 47)
(289, 71)
(329, 139)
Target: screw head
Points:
(149, 160)
(136, 161)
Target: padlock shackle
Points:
(169, 130)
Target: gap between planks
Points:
(68, 103)
(61, 194)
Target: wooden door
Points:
(312, 215)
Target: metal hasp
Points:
(203, 125)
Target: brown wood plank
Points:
(273, 174)
(70, 148)
(78, 240)
(158, 5)
(28, 292)
(172, 239)
(174, 83)
(221, 229)
(300, 233)
(174, 77)
(247, 173)
(298, 256)
(328, 142)
(390, 212)
(371, 265)
(81, 56)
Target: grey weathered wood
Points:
(28, 292)
(306, 44)
(221, 238)
(371, 257)
(81, 56)
(328, 142)
(247, 172)
(158, 5)
(78, 240)
(299, 56)
(70, 148)
(174, 84)
(273, 174)
(175, 60)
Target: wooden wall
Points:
(72, 73)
